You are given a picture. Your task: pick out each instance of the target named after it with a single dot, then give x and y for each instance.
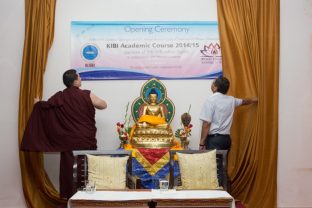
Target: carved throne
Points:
(152, 137)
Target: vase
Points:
(184, 142)
(123, 140)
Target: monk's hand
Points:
(36, 100)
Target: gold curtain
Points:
(39, 31)
(249, 34)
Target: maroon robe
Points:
(63, 123)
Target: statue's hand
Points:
(143, 124)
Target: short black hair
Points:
(222, 84)
(69, 77)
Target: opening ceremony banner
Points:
(142, 50)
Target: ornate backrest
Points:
(139, 103)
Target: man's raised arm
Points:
(250, 101)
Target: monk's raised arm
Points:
(98, 102)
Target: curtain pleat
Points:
(249, 36)
(39, 31)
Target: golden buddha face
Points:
(153, 98)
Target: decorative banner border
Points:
(142, 50)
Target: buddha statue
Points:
(153, 113)
(152, 129)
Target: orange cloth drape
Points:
(249, 34)
(152, 119)
(39, 31)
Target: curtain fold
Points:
(39, 31)
(249, 36)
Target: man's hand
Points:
(202, 147)
(250, 101)
(203, 135)
(254, 100)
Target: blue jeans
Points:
(218, 141)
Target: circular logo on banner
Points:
(90, 52)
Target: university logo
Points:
(211, 54)
(90, 52)
(212, 50)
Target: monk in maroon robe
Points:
(64, 123)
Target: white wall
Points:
(295, 101)
(294, 164)
(11, 42)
